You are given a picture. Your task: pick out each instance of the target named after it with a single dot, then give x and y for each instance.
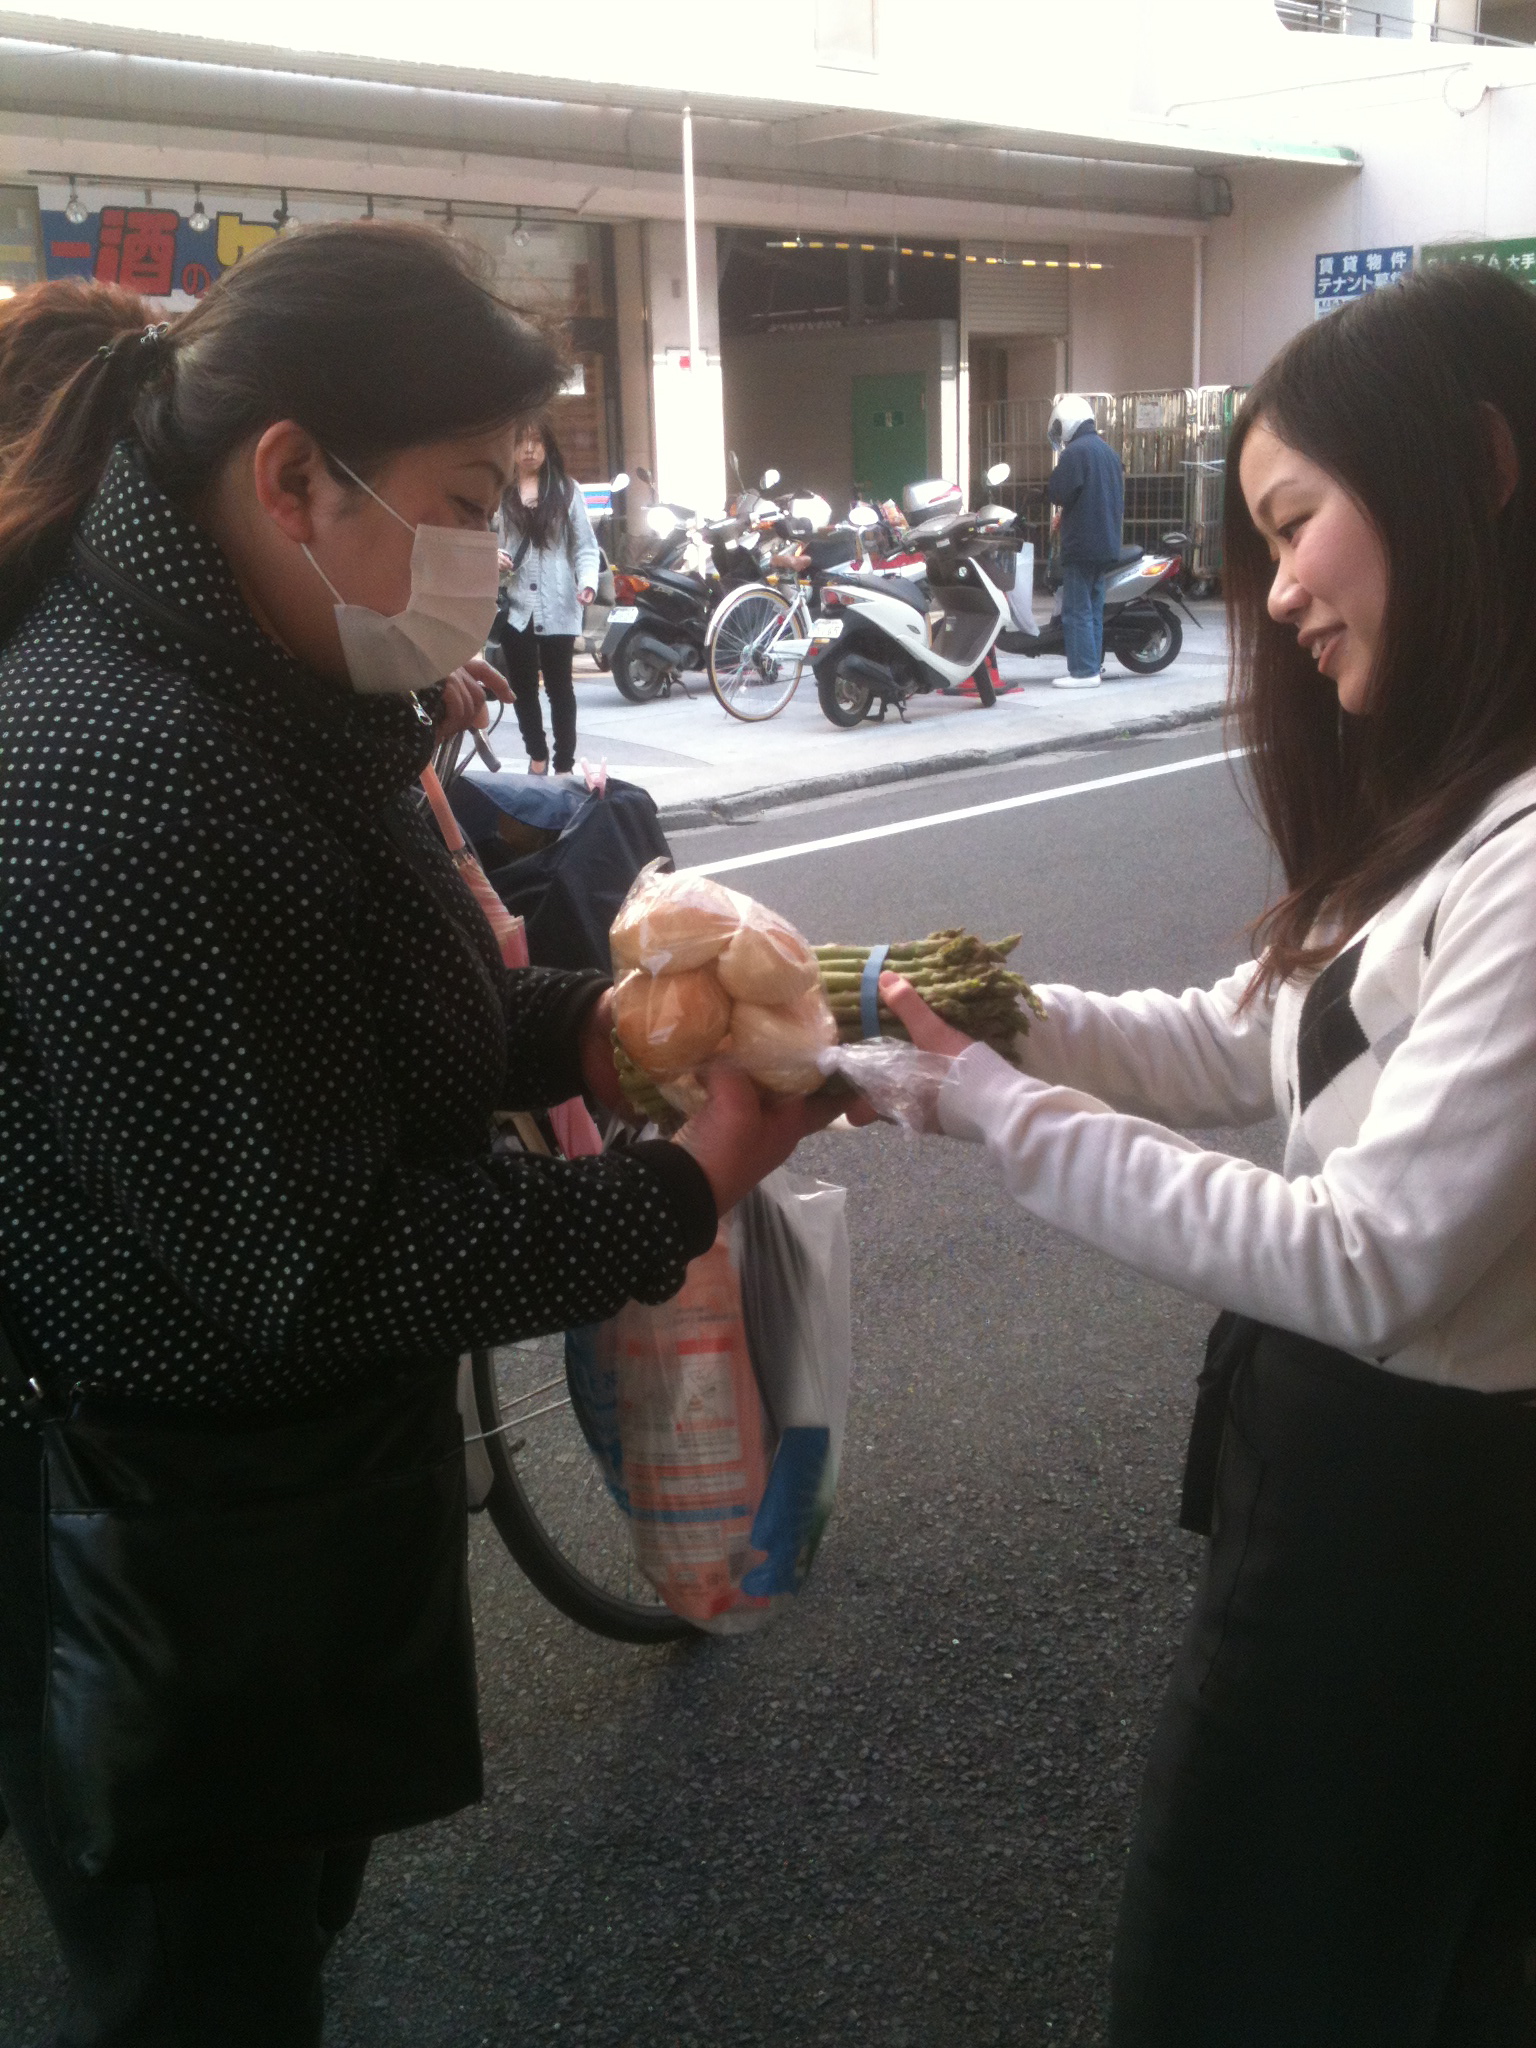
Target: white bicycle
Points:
(756, 648)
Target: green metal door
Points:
(890, 433)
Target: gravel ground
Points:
(900, 1816)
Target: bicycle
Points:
(756, 649)
(528, 1463)
(532, 1470)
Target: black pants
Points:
(1337, 1840)
(527, 652)
(231, 1957)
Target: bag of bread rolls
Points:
(668, 924)
(670, 1023)
(707, 973)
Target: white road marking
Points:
(1007, 803)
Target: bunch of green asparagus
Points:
(957, 974)
(961, 976)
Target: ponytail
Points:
(55, 468)
(375, 336)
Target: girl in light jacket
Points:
(551, 569)
(1337, 1839)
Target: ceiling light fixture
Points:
(198, 219)
(75, 212)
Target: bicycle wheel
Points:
(548, 1500)
(754, 658)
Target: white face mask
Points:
(450, 611)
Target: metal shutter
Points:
(1013, 288)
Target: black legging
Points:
(527, 652)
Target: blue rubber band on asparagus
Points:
(869, 991)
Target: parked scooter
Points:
(656, 630)
(1142, 630)
(884, 638)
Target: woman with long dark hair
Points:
(550, 565)
(1337, 1840)
(253, 1030)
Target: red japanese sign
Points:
(137, 249)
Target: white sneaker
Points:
(1077, 682)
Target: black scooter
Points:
(656, 630)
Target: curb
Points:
(748, 803)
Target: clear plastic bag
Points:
(899, 1082)
(717, 1418)
(707, 973)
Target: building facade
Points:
(901, 228)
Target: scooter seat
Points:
(902, 587)
(675, 579)
(1055, 577)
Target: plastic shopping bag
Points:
(717, 1418)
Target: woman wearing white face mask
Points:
(252, 1034)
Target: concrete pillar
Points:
(638, 442)
(687, 398)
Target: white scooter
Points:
(885, 638)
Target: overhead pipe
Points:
(75, 85)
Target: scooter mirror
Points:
(620, 482)
(662, 520)
(999, 473)
(770, 478)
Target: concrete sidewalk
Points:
(703, 766)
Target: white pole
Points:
(690, 252)
(1199, 247)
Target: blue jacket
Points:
(1089, 486)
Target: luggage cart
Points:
(1013, 431)
(1154, 429)
(1216, 407)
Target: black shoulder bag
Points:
(259, 1639)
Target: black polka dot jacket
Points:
(253, 1029)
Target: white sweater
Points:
(1403, 1228)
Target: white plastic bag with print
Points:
(718, 1417)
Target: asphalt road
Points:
(900, 1816)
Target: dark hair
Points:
(547, 520)
(376, 336)
(47, 331)
(1388, 397)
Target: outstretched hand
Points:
(924, 1026)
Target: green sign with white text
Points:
(1517, 258)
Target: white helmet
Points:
(1070, 416)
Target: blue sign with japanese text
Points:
(1346, 274)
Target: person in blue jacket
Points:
(1088, 484)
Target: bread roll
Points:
(674, 923)
(670, 1022)
(767, 961)
(778, 1044)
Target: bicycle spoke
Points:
(559, 1477)
(757, 650)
